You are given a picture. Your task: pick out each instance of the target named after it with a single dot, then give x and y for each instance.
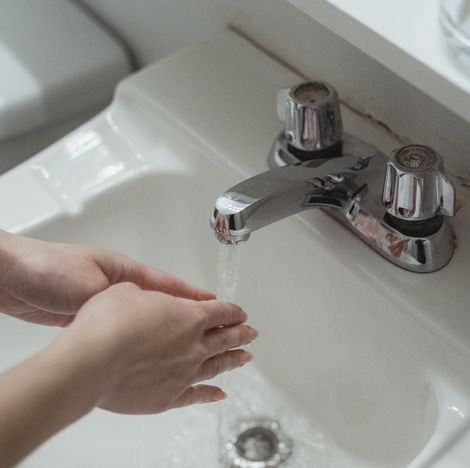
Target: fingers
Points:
(223, 314)
(223, 339)
(119, 268)
(222, 363)
(175, 286)
(199, 394)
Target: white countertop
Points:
(403, 35)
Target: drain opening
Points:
(257, 443)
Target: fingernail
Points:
(252, 333)
(244, 315)
(221, 395)
(247, 357)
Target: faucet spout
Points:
(278, 193)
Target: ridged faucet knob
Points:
(415, 187)
(312, 115)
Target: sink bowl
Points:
(350, 362)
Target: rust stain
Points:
(463, 181)
(348, 103)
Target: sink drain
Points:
(257, 443)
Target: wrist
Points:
(82, 369)
(43, 395)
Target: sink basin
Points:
(359, 349)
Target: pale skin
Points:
(137, 340)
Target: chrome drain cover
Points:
(257, 443)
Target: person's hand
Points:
(44, 282)
(149, 349)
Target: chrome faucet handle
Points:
(415, 188)
(312, 115)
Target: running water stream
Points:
(228, 262)
(251, 397)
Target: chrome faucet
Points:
(399, 205)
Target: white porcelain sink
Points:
(374, 357)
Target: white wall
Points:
(155, 28)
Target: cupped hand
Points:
(46, 283)
(151, 350)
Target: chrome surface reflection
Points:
(399, 206)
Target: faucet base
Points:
(415, 246)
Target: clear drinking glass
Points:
(454, 16)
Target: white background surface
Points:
(155, 28)
(322, 297)
(406, 37)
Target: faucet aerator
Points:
(221, 224)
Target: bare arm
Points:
(138, 340)
(46, 282)
(128, 351)
(41, 396)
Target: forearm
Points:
(41, 396)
